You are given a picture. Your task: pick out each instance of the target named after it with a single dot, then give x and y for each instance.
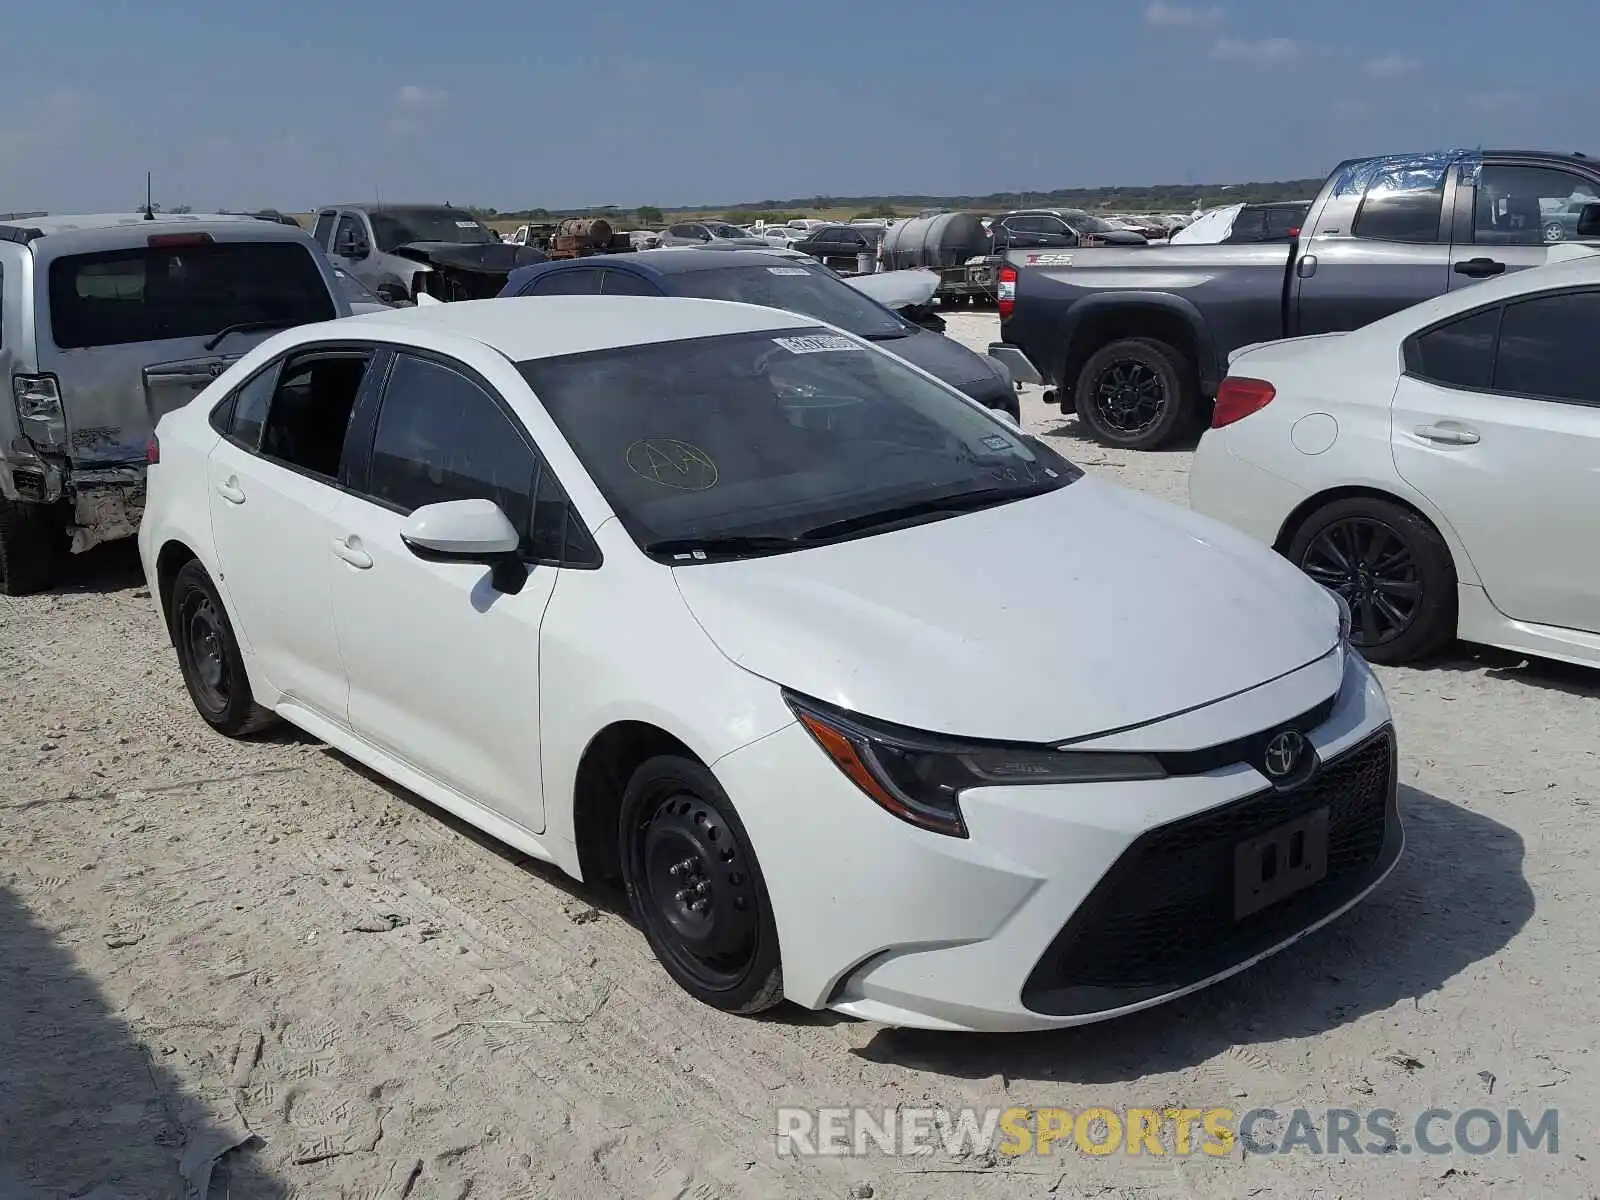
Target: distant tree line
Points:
(1169, 197)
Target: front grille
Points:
(1163, 919)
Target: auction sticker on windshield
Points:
(817, 343)
(787, 271)
(466, 224)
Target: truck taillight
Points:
(152, 450)
(1007, 293)
(39, 412)
(1238, 397)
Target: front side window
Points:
(724, 444)
(442, 437)
(1529, 206)
(154, 293)
(1547, 348)
(1458, 355)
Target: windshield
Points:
(397, 226)
(800, 434)
(796, 288)
(1087, 224)
(354, 290)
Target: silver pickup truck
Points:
(1137, 339)
(107, 322)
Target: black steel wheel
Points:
(209, 656)
(1137, 393)
(1393, 570)
(696, 889)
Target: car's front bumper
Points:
(1067, 904)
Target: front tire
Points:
(696, 888)
(1393, 570)
(209, 656)
(1136, 394)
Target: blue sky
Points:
(295, 103)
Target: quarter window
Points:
(1547, 348)
(1460, 354)
(442, 437)
(244, 415)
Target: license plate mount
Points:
(1280, 862)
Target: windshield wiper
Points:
(892, 336)
(246, 327)
(956, 502)
(724, 545)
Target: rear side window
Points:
(1460, 354)
(309, 415)
(153, 293)
(1400, 213)
(580, 281)
(625, 283)
(1547, 348)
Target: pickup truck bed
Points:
(1136, 340)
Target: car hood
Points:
(1082, 611)
(487, 258)
(942, 357)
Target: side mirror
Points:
(470, 531)
(1589, 221)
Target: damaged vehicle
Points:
(401, 251)
(107, 323)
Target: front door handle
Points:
(1480, 268)
(230, 490)
(350, 550)
(1448, 435)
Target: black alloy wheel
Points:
(696, 888)
(1137, 394)
(1393, 570)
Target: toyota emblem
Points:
(1284, 753)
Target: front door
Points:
(1497, 423)
(1509, 217)
(273, 486)
(444, 669)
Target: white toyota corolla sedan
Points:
(873, 701)
(1437, 468)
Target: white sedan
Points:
(1437, 468)
(873, 701)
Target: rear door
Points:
(1508, 213)
(133, 333)
(1497, 422)
(1381, 244)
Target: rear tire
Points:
(209, 656)
(29, 548)
(696, 888)
(1137, 394)
(1392, 568)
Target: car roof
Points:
(106, 231)
(62, 224)
(529, 327)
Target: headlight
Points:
(919, 777)
(1345, 624)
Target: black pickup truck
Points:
(1136, 340)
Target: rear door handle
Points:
(1448, 435)
(350, 550)
(1306, 267)
(1480, 268)
(230, 491)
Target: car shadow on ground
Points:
(109, 567)
(1081, 443)
(86, 1108)
(1547, 673)
(1457, 897)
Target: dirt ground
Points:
(261, 956)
